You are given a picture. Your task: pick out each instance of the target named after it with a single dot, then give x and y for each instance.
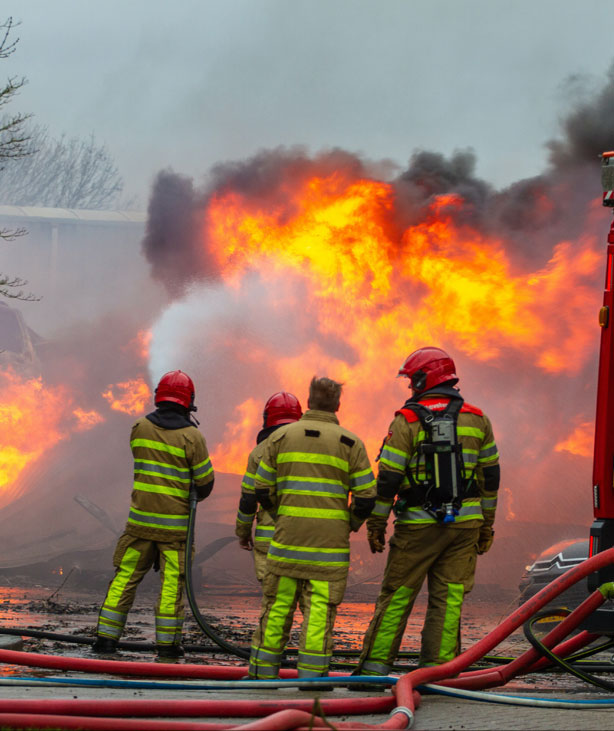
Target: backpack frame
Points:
(440, 460)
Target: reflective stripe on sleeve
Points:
(393, 457)
(265, 474)
(202, 469)
(362, 480)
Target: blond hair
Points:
(324, 394)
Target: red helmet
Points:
(175, 386)
(428, 367)
(281, 408)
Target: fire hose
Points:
(405, 691)
(189, 585)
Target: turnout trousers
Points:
(132, 559)
(446, 555)
(318, 601)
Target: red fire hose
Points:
(407, 698)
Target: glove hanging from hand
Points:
(485, 539)
(377, 540)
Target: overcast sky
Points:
(194, 82)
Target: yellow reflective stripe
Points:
(169, 593)
(389, 463)
(310, 549)
(283, 605)
(394, 450)
(323, 480)
(449, 633)
(362, 473)
(172, 478)
(305, 562)
(161, 489)
(298, 512)
(318, 612)
(160, 446)
(390, 623)
(312, 493)
(164, 464)
(470, 431)
(127, 567)
(312, 458)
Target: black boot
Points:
(104, 646)
(170, 652)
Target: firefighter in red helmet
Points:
(170, 461)
(281, 408)
(315, 475)
(439, 473)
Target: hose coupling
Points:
(607, 589)
(409, 714)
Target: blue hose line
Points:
(516, 700)
(214, 685)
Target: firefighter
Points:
(308, 471)
(437, 535)
(170, 461)
(281, 408)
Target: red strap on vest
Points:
(438, 404)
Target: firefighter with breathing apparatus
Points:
(171, 462)
(439, 473)
(281, 408)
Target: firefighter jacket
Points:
(308, 471)
(167, 462)
(399, 452)
(248, 506)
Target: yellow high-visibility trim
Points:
(312, 458)
(163, 464)
(160, 446)
(310, 549)
(162, 476)
(324, 513)
(169, 592)
(160, 489)
(307, 562)
(312, 493)
(470, 431)
(127, 567)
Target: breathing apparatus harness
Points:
(437, 480)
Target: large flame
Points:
(131, 397)
(383, 292)
(35, 418)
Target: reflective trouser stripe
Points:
(451, 623)
(168, 630)
(122, 577)
(393, 620)
(273, 630)
(447, 555)
(169, 612)
(318, 600)
(132, 559)
(111, 622)
(312, 660)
